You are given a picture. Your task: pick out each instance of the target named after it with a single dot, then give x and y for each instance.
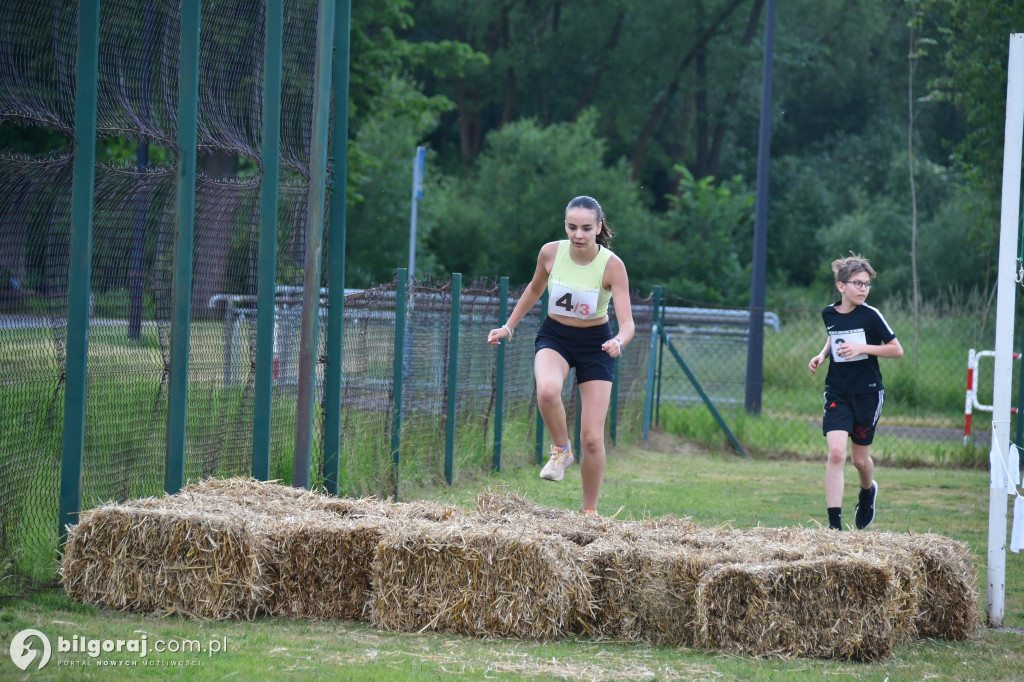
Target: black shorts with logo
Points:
(857, 414)
(580, 346)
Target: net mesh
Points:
(134, 225)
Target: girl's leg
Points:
(865, 465)
(550, 370)
(834, 467)
(595, 396)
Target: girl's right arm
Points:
(534, 290)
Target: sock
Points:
(835, 518)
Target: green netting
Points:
(134, 227)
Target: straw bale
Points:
(828, 607)
(321, 568)
(520, 512)
(948, 607)
(479, 578)
(935, 575)
(645, 590)
(143, 558)
(371, 506)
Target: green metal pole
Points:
(577, 426)
(499, 384)
(540, 418)
(659, 315)
(453, 378)
(265, 317)
(336, 248)
(80, 267)
(614, 408)
(181, 301)
(703, 396)
(649, 392)
(397, 377)
(314, 244)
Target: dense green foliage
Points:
(653, 108)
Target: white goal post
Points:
(1005, 295)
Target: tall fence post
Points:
(659, 316)
(540, 418)
(333, 381)
(577, 418)
(453, 378)
(614, 407)
(267, 278)
(314, 243)
(648, 398)
(499, 383)
(80, 268)
(181, 301)
(397, 376)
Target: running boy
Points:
(857, 336)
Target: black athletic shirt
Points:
(863, 324)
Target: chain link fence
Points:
(926, 391)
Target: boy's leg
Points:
(596, 395)
(864, 512)
(834, 479)
(861, 455)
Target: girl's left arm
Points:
(618, 281)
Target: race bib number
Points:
(572, 302)
(848, 336)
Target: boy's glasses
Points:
(858, 283)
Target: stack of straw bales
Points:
(240, 548)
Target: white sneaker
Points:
(559, 461)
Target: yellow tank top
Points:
(576, 290)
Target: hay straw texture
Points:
(826, 608)
(137, 558)
(239, 548)
(483, 579)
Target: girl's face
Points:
(581, 227)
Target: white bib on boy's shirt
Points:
(847, 336)
(572, 302)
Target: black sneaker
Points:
(865, 510)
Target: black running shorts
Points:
(857, 414)
(581, 348)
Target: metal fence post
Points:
(336, 256)
(659, 317)
(314, 243)
(181, 305)
(397, 376)
(649, 392)
(453, 378)
(265, 287)
(80, 267)
(577, 428)
(499, 380)
(614, 407)
(540, 418)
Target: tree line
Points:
(887, 131)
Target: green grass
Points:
(669, 477)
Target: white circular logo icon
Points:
(22, 652)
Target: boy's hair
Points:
(845, 268)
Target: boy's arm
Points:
(816, 361)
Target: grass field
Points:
(669, 476)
